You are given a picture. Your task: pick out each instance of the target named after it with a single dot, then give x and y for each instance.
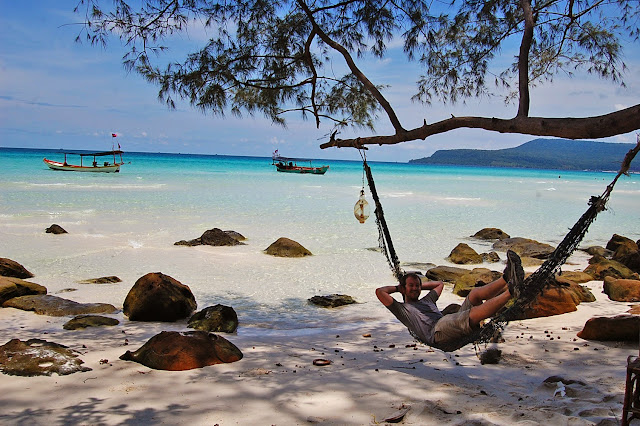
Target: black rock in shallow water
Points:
(332, 300)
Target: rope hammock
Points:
(534, 283)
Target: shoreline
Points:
(370, 378)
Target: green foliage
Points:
(278, 56)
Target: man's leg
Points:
(479, 294)
(489, 308)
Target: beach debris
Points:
(159, 297)
(37, 357)
(55, 229)
(332, 300)
(45, 304)
(320, 362)
(178, 351)
(214, 237)
(218, 318)
(285, 247)
(11, 287)
(366, 335)
(490, 356)
(84, 321)
(398, 416)
(11, 268)
(112, 279)
(560, 390)
(621, 328)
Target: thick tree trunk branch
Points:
(602, 126)
(523, 59)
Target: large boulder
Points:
(491, 234)
(525, 247)
(218, 318)
(11, 268)
(621, 328)
(178, 351)
(15, 287)
(622, 290)
(36, 357)
(45, 304)
(558, 299)
(477, 277)
(284, 247)
(462, 254)
(618, 241)
(159, 297)
(214, 237)
(600, 267)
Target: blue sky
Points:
(56, 93)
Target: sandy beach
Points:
(546, 376)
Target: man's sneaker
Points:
(513, 273)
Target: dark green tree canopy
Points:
(278, 57)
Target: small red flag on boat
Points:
(113, 135)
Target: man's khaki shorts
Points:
(453, 327)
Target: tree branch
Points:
(354, 69)
(523, 59)
(615, 123)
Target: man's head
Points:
(411, 287)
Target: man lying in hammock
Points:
(449, 332)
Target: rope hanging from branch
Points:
(384, 237)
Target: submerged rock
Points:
(102, 280)
(11, 268)
(44, 304)
(37, 357)
(214, 237)
(175, 351)
(159, 297)
(284, 247)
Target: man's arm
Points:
(438, 286)
(384, 294)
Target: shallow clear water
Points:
(125, 224)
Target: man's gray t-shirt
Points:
(419, 317)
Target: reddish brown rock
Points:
(175, 351)
(159, 297)
(559, 299)
(622, 290)
(621, 328)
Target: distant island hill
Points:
(557, 154)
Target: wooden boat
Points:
(105, 167)
(290, 165)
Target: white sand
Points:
(370, 379)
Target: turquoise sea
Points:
(125, 224)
